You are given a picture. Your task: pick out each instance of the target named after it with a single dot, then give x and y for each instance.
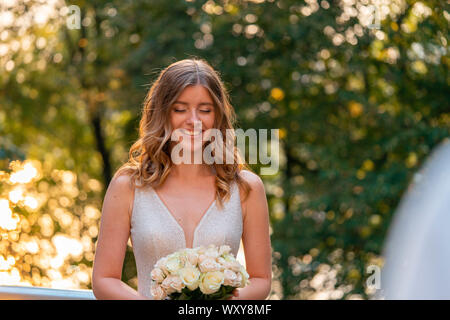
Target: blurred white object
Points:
(417, 249)
(39, 293)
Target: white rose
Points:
(231, 279)
(172, 283)
(224, 249)
(235, 266)
(201, 250)
(201, 258)
(161, 263)
(244, 277)
(209, 265)
(222, 261)
(229, 257)
(212, 252)
(190, 276)
(183, 259)
(211, 281)
(158, 292)
(239, 280)
(173, 263)
(192, 257)
(231, 265)
(157, 275)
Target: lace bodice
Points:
(155, 233)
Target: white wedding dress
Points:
(417, 250)
(155, 233)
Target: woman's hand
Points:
(235, 295)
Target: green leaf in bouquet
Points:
(226, 297)
(185, 294)
(197, 294)
(228, 289)
(227, 292)
(214, 296)
(223, 293)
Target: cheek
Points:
(176, 120)
(209, 119)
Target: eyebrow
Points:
(200, 104)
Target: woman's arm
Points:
(112, 243)
(256, 241)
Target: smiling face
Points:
(193, 106)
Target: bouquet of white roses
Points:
(202, 273)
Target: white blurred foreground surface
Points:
(38, 293)
(417, 250)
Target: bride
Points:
(165, 205)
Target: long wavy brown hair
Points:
(149, 160)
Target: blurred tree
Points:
(358, 109)
(359, 106)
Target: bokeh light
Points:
(46, 234)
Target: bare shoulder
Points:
(120, 193)
(253, 180)
(120, 186)
(122, 182)
(257, 193)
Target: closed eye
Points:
(205, 111)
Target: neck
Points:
(191, 172)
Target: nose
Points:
(193, 118)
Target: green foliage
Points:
(223, 293)
(9, 152)
(359, 110)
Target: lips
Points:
(192, 133)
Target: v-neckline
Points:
(167, 210)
